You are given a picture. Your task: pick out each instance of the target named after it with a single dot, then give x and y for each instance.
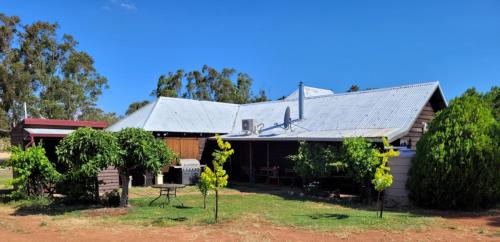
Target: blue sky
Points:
(327, 44)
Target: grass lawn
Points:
(277, 209)
(271, 208)
(5, 177)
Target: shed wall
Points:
(109, 178)
(186, 148)
(400, 167)
(426, 116)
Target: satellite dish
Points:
(287, 120)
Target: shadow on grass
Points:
(42, 206)
(163, 221)
(327, 216)
(182, 207)
(4, 192)
(293, 193)
(52, 209)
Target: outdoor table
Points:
(169, 191)
(270, 173)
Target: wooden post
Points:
(250, 172)
(267, 153)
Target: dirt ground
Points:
(89, 228)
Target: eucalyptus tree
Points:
(45, 71)
(136, 106)
(226, 85)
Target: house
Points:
(49, 132)
(264, 134)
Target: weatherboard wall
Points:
(426, 116)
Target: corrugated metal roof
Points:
(49, 131)
(309, 92)
(388, 112)
(182, 115)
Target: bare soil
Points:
(89, 227)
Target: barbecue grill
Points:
(190, 170)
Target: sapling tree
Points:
(86, 152)
(140, 151)
(218, 178)
(383, 177)
(203, 188)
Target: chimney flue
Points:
(25, 110)
(301, 100)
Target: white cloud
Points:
(128, 5)
(124, 4)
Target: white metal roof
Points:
(49, 131)
(182, 115)
(386, 112)
(309, 92)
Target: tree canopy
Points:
(353, 88)
(44, 69)
(140, 151)
(84, 153)
(135, 106)
(209, 84)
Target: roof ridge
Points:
(195, 100)
(235, 118)
(313, 97)
(379, 89)
(124, 118)
(150, 113)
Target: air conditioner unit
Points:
(247, 125)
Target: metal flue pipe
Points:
(301, 100)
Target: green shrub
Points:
(34, 173)
(315, 160)
(111, 199)
(360, 159)
(457, 164)
(357, 157)
(85, 152)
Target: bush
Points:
(457, 164)
(111, 199)
(85, 152)
(34, 173)
(360, 159)
(315, 160)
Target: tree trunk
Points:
(382, 204)
(204, 201)
(216, 204)
(378, 203)
(124, 195)
(368, 192)
(96, 189)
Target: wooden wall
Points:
(399, 169)
(427, 115)
(186, 148)
(17, 136)
(110, 180)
